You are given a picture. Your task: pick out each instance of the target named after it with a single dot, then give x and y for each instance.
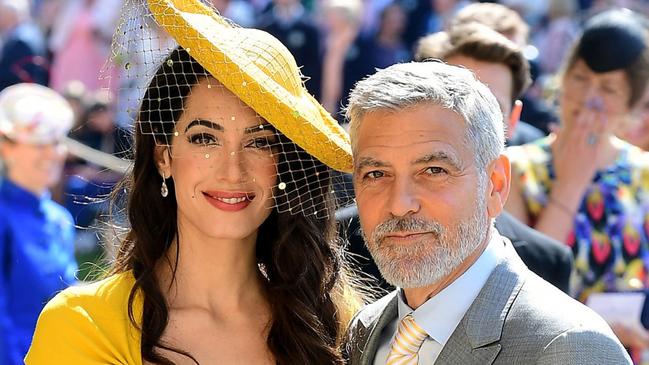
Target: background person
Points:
(582, 185)
(36, 234)
(500, 64)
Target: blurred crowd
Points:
(66, 45)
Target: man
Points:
(430, 176)
(22, 55)
(509, 23)
(500, 64)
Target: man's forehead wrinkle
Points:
(393, 143)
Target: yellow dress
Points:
(89, 324)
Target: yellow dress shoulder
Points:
(89, 324)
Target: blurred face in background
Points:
(35, 167)
(342, 16)
(6, 16)
(499, 80)
(637, 130)
(393, 20)
(606, 92)
(101, 120)
(443, 6)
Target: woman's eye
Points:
(261, 143)
(202, 139)
(579, 77)
(609, 90)
(435, 171)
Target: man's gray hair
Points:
(409, 84)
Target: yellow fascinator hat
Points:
(261, 71)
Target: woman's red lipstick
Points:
(229, 201)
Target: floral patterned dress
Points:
(610, 235)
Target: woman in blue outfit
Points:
(36, 234)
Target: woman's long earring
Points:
(164, 191)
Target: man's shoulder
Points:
(554, 310)
(556, 327)
(371, 312)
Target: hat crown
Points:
(273, 59)
(612, 40)
(33, 113)
(260, 71)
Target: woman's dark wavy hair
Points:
(298, 253)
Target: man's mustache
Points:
(406, 225)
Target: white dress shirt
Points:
(441, 314)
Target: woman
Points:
(36, 233)
(582, 185)
(231, 256)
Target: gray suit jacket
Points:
(517, 318)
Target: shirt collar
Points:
(18, 195)
(440, 315)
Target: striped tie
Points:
(405, 346)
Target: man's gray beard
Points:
(427, 261)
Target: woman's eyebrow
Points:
(259, 128)
(205, 123)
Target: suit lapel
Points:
(476, 339)
(374, 337)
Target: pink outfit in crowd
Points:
(81, 52)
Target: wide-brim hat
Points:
(261, 72)
(34, 114)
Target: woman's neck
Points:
(219, 275)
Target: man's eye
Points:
(202, 138)
(435, 170)
(374, 175)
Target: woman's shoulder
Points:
(111, 292)
(88, 323)
(634, 156)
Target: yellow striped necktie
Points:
(405, 346)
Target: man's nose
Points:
(403, 198)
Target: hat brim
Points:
(219, 48)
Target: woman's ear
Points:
(163, 160)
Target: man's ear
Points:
(499, 172)
(514, 118)
(162, 160)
